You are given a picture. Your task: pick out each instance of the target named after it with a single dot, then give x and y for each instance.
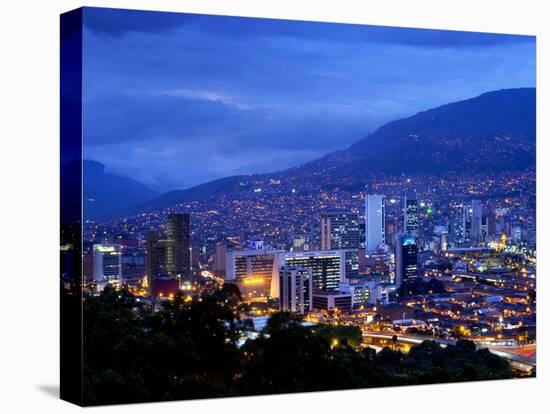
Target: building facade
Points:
(328, 267)
(411, 215)
(374, 222)
(107, 263)
(340, 230)
(295, 289)
(406, 260)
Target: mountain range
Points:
(107, 194)
(492, 133)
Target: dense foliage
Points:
(189, 350)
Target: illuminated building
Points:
(295, 289)
(411, 215)
(516, 233)
(178, 252)
(476, 212)
(165, 287)
(327, 267)
(332, 300)
(169, 253)
(374, 222)
(366, 293)
(257, 244)
(381, 263)
(362, 234)
(340, 230)
(219, 259)
(406, 260)
(252, 271)
(156, 248)
(107, 263)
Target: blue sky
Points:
(174, 100)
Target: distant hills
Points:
(108, 194)
(492, 133)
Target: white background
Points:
(29, 142)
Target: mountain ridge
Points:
(491, 133)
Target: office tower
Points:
(156, 247)
(219, 259)
(178, 252)
(107, 263)
(411, 215)
(253, 272)
(406, 260)
(362, 233)
(476, 212)
(340, 230)
(327, 267)
(374, 222)
(295, 289)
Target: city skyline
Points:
(404, 258)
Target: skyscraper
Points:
(411, 215)
(219, 259)
(156, 247)
(178, 253)
(170, 253)
(327, 267)
(406, 260)
(296, 289)
(340, 230)
(374, 222)
(107, 263)
(476, 209)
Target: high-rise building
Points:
(476, 212)
(219, 259)
(374, 222)
(253, 272)
(107, 263)
(362, 233)
(328, 267)
(156, 247)
(170, 253)
(406, 260)
(411, 215)
(340, 230)
(295, 289)
(178, 253)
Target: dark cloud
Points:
(116, 22)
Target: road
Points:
(522, 358)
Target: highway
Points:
(522, 358)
